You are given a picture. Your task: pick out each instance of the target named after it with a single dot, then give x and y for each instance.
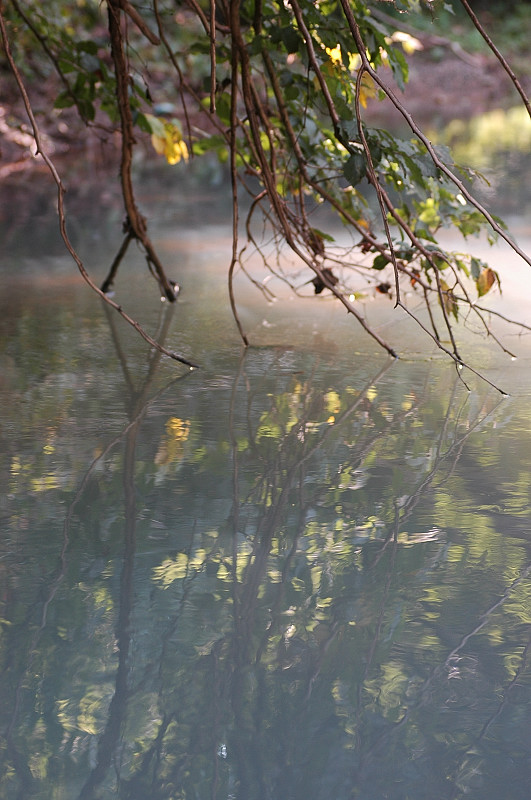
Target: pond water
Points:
(300, 572)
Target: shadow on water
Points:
(308, 579)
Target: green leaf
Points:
(86, 109)
(469, 222)
(405, 253)
(444, 154)
(155, 125)
(223, 108)
(326, 236)
(475, 267)
(424, 233)
(460, 264)
(64, 100)
(427, 167)
(290, 39)
(200, 47)
(375, 149)
(88, 46)
(380, 262)
(142, 122)
(356, 167)
(399, 67)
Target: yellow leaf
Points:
(158, 143)
(485, 281)
(448, 299)
(354, 61)
(333, 402)
(175, 148)
(335, 55)
(367, 89)
(408, 42)
(167, 140)
(171, 570)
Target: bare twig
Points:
(334, 116)
(108, 282)
(213, 69)
(133, 14)
(175, 64)
(427, 40)
(234, 177)
(456, 359)
(49, 52)
(261, 136)
(518, 86)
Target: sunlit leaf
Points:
(408, 42)
(368, 89)
(167, 140)
(429, 212)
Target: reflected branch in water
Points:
(271, 640)
(280, 478)
(137, 396)
(111, 736)
(258, 563)
(424, 691)
(137, 405)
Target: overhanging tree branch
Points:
(280, 89)
(60, 204)
(503, 61)
(135, 221)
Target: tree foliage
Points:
(279, 90)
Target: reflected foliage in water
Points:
(307, 579)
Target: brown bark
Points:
(135, 222)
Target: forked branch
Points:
(135, 221)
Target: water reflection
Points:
(308, 579)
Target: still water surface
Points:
(302, 572)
